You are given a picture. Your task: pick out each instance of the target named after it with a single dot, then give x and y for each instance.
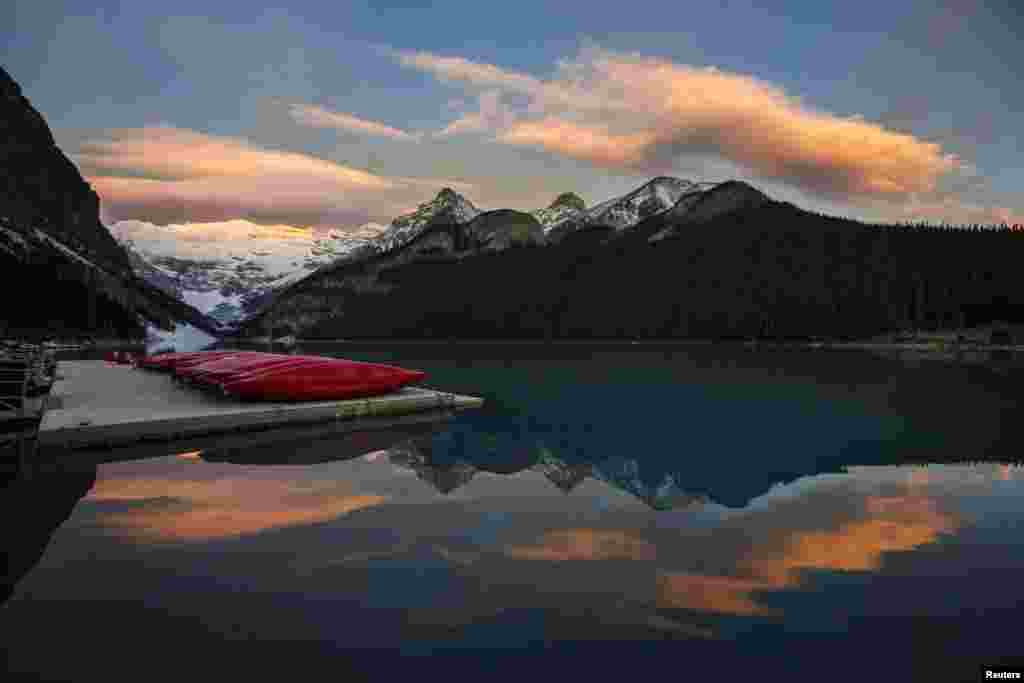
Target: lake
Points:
(611, 508)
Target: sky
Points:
(331, 115)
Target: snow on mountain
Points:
(567, 207)
(722, 198)
(183, 339)
(654, 197)
(448, 205)
(219, 278)
(658, 195)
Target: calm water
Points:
(611, 508)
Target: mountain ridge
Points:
(52, 240)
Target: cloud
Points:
(590, 143)
(318, 117)
(203, 510)
(584, 544)
(884, 524)
(165, 175)
(641, 114)
(493, 114)
(459, 69)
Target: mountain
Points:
(40, 503)
(233, 288)
(417, 455)
(228, 287)
(567, 208)
(448, 207)
(563, 475)
(447, 226)
(76, 278)
(567, 214)
(659, 494)
(701, 207)
(725, 261)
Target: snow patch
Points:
(184, 338)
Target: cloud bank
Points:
(165, 175)
(648, 115)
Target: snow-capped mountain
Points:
(567, 207)
(720, 199)
(621, 473)
(447, 206)
(620, 213)
(660, 194)
(224, 287)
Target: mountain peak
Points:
(8, 86)
(448, 206)
(569, 200)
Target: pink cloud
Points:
(318, 117)
(635, 113)
(171, 175)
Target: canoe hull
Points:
(333, 380)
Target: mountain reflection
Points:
(447, 467)
(33, 508)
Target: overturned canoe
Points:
(219, 372)
(194, 366)
(228, 364)
(169, 361)
(326, 380)
(162, 361)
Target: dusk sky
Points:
(334, 114)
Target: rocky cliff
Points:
(72, 275)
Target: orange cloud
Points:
(318, 117)
(457, 68)
(891, 524)
(635, 113)
(895, 524)
(591, 143)
(191, 510)
(170, 175)
(584, 544)
(722, 594)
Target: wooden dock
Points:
(96, 404)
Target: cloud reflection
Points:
(585, 544)
(204, 510)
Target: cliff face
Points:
(71, 275)
(40, 187)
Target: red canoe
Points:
(224, 363)
(293, 363)
(332, 379)
(182, 363)
(164, 361)
(221, 372)
(191, 366)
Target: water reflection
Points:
(32, 509)
(728, 515)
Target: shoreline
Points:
(931, 347)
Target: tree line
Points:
(773, 272)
